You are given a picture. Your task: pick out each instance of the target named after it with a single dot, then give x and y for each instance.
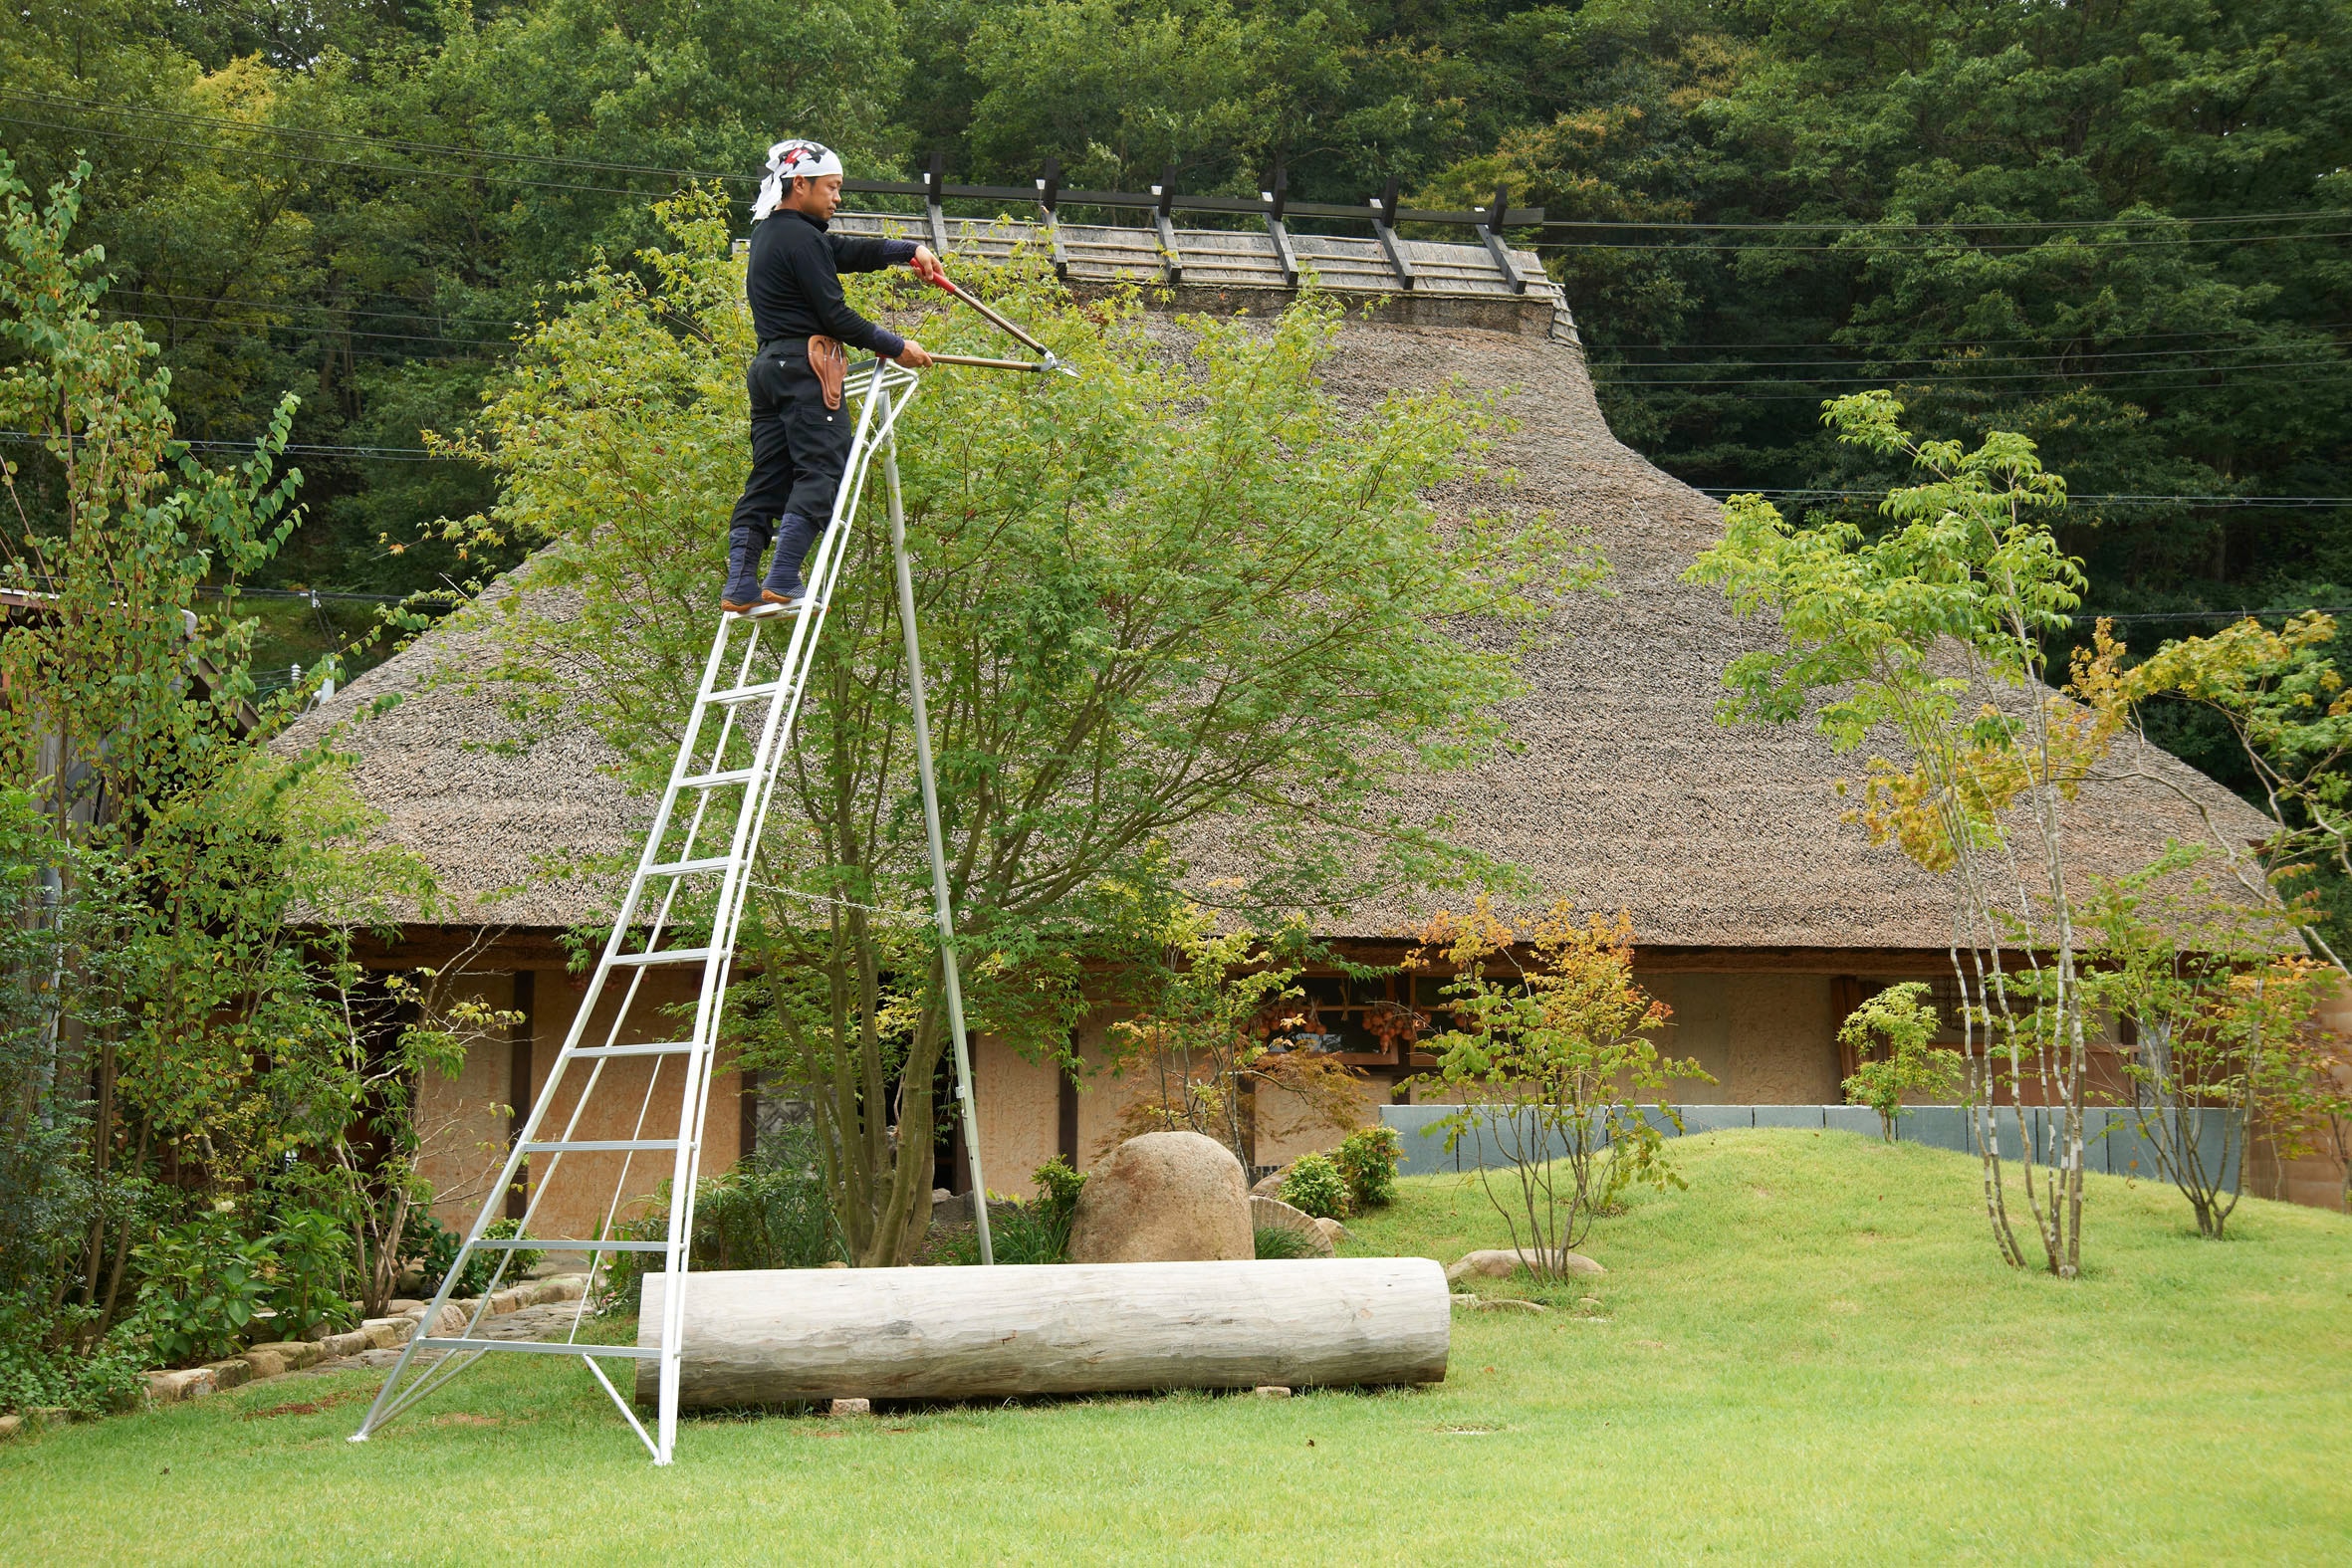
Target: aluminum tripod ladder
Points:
(696, 863)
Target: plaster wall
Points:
(1765, 1038)
(1019, 1107)
(1286, 1130)
(461, 1121)
(583, 1187)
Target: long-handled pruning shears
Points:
(1047, 361)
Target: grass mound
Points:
(1812, 1352)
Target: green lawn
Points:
(1809, 1354)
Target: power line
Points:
(1979, 248)
(1865, 356)
(1880, 226)
(338, 163)
(298, 326)
(2128, 500)
(2233, 615)
(1923, 384)
(247, 300)
(1940, 378)
(386, 454)
(442, 149)
(2050, 336)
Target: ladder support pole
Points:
(939, 900)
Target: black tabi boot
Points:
(793, 535)
(745, 544)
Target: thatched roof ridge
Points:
(1627, 792)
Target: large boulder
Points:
(1271, 1213)
(1164, 1198)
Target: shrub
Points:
(1274, 1240)
(1315, 1185)
(482, 1267)
(769, 1212)
(200, 1285)
(429, 1245)
(1059, 1187)
(309, 1272)
(1368, 1160)
(36, 1373)
(1547, 1063)
(1906, 1020)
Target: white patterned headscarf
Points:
(798, 158)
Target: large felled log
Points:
(771, 1336)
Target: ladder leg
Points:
(939, 898)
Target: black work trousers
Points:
(799, 446)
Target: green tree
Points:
(2223, 1035)
(1930, 634)
(1178, 608)
(175, 1048)
(1548, 1054)
(1903, 1020)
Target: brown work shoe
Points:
(788, 604)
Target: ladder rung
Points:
(736, 694)
(509, 1244)
(654, 1049)
(689, 867)
(542, 1347)
(599, 1145)
(665, 956)
(714, 780)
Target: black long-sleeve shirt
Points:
(794, 281)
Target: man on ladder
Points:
(800, 435)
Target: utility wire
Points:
(1784, 225)
(390, 454)
(313, 327)
(2128, 500)
(441, 148)
(1865, 356)
(1943, 378)
(336, 163)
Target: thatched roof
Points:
(1627, 792)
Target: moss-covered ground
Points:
(1810, 1354)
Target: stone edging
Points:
(258, 1362)
(377, 1333)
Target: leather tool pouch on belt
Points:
(829, 362)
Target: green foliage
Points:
(35, 1374)
(200, 1284)
(1367, 1158)
(771, 1211)
(177, 1033)
(504, 1266)
(1550, 1059)
(1171, 593)
(1056, 1202)
(310, 1267)
(1313, 1185)
(2225, 1018)
(1902, 1021)
(1278, 1242)
(1209, 1037)
(429, 1246)
(1933, 633)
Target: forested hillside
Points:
(2119, 226)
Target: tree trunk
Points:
(771, 1336)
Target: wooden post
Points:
(519, 1090)
(780, 1335)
